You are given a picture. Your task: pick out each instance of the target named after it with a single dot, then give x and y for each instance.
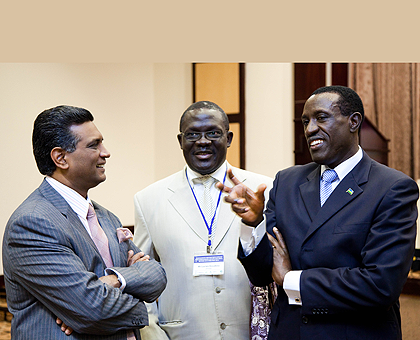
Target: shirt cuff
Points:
(110, 271)
(291, 285)
(251, 237)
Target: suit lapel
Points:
(226, 216)
(309, 191)
(348, 189)
(60, 203)
(184, 203)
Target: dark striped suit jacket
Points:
(51, 269)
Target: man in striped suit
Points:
(55, 270)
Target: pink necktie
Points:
(101, 241)
(99, 237)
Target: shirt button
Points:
(223, 325)
(218, 290)
(305, 319)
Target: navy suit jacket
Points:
(51, 269)
(355, 252)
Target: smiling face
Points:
(85, 165)
(332, 138)
(204, 156)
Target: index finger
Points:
(280, 238)
(224, 188)
(232, 177)
(273, 241)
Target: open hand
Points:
(247, 204)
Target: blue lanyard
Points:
(209, 228)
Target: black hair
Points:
(349, 101)
(52, 129)
(205, 105)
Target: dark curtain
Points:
(391, 96)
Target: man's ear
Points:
(179, 136)
(59, 159)
(229, 138)
(355, 120)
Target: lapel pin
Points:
(350, 191)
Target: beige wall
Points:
(269, 117)
(137, 109)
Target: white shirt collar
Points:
(345, 167)
(219, 174)
(77, 202)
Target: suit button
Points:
(305, 319)
(136, 321)
(218, 290)
(223, 325)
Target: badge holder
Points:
(209, 264)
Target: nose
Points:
(311, 128)
(104, 152)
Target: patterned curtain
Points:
(391, 96)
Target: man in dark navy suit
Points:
(350, 239)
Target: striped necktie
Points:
(325, 190)
(99, 237)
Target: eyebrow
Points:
(95, 140)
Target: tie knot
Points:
(206, 180)
(329, 176)
(91, 212)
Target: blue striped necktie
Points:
(327, 178)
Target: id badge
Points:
(209, 264)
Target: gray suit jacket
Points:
(51, 269)
(169, 227)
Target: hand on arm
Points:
(281, 259)
(247, 204)
(66, 329)
(133, 258)
(111, 280)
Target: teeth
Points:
(316, 142)
(99, 166)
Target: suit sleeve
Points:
(146, 280)
(258, 265)
(153, 331)
(43, 261)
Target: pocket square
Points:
(124, 234)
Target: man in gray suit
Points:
(55, 272)
(205, 299)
